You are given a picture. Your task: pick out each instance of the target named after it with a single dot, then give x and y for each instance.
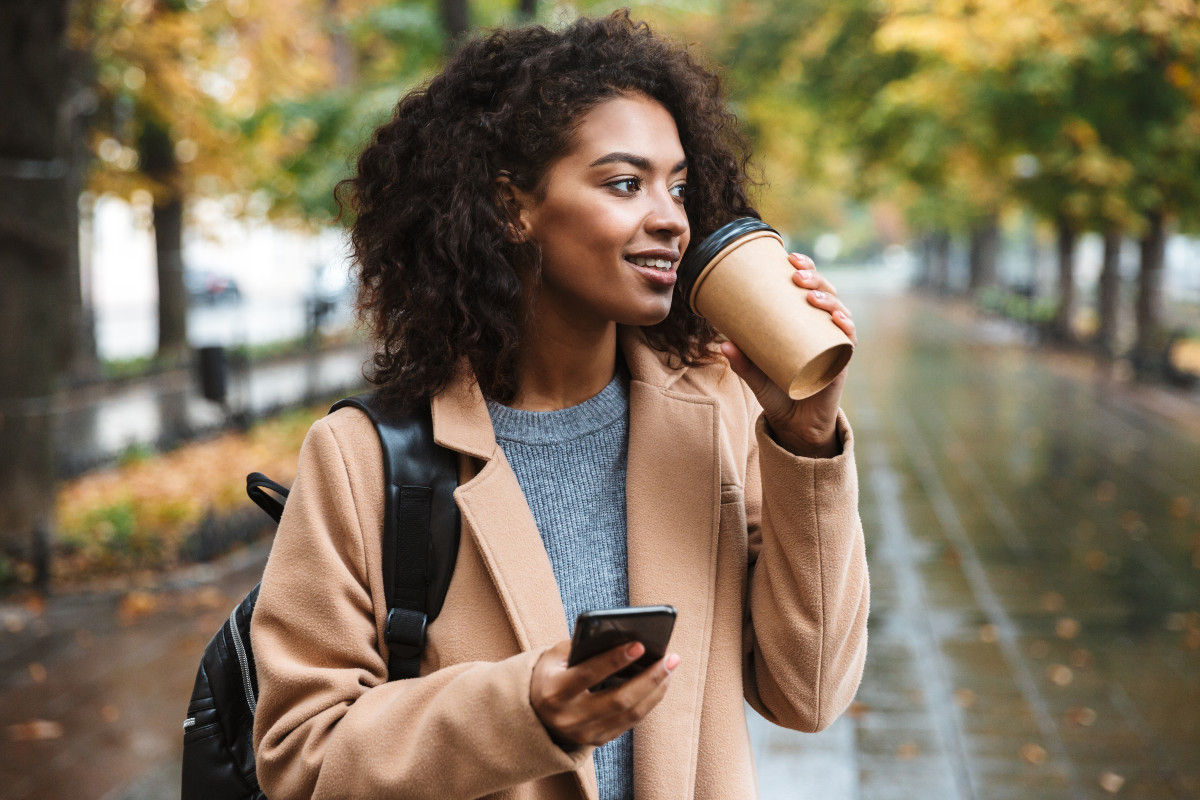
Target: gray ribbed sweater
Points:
(571, 467)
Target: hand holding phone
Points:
(567, 699)
(599, 631)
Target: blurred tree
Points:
(176, 79)
(39, 179)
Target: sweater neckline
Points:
(564, 424)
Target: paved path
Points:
(1034, 540)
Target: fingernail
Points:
(672, 662)
(804, 274)
(634, 650)
(818, 294)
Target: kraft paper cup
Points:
(739, 279)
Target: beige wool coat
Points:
(760, 551)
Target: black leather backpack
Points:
(420, 544)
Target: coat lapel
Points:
(502, 526)
(673, 497)
(498, 518)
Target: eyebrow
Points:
(640, 162)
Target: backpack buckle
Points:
(405, 632)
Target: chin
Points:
(647, 315)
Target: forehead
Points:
(632, 124)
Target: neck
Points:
(562, 365)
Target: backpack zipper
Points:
(243, 661)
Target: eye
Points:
(627, 185)
(679, 190)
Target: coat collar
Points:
(460, 416)
(673, 512)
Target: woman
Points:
(519, 222)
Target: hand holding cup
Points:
(808, 426)
(791, 347)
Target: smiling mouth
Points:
(660, 264)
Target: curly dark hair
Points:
(439, 279)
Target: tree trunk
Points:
(939, 261)
(172, 293)
(1148, 354)
(1066, 281)
(85, 361)
(456, 22)
(1110, 287)
(345, 63)
(38, 220)
(985, 239)
(156, 152)
(527, 10)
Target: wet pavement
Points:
(1033, 533)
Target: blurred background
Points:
(1006, 193)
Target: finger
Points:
(827, 301)
(842, 319)
(811, 279)
(801, 261)
(587, 674)
(621, 708)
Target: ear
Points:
(517, 204)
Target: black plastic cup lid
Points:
(698, 255)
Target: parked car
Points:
(210, 287)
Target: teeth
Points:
(658, 263)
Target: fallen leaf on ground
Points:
(136, 605)
(1060, 674)
(857, 710)
(1066, 628)
(1033, 753)
(987, 633)
(964, 698)
(1111, 782)
(1081, 715)
(35, 730)
(13, 622)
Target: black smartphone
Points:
(599, 631)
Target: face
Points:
(610, 218)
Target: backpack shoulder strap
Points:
(421, 526)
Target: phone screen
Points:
(600, 631)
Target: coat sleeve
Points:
(328, 723)
(808, 593)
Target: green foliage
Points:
(135, 454)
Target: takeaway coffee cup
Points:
(739, 279)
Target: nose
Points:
(667, 215)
